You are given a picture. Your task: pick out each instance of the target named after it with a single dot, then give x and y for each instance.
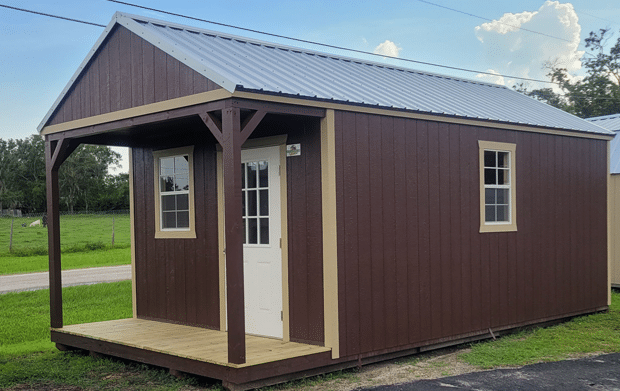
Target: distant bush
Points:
(76, 248)
(26, 252)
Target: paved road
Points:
(93, 275)
(593, 373)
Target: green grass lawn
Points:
(598, 333)
(28, 360)
(25, 320)
(78, 260)
(77, 233)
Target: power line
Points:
(51, 16)
(278, 36)
(326, 45)
(596, 17)
(491, 20)
(574, 97)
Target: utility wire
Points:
(294, 39)
(596, 17)
(491, 20)
(326, 45)
(52, 16)
(274, 35)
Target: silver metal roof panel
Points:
(238, 63)
(611, 122)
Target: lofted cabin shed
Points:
(295, 212)
(612, 123)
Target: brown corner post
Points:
(231, 134)
(56, 151)
(231, 151)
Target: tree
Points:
(82, 176)
(598, 93)
(30, 173)
(6, 168)
(116, 195)
(22, 173)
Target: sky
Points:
(39, 54)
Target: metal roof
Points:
(242, 64)
(611, 122)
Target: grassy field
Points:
(77, 233)
(86, 241)
(29, 361)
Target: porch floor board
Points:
(194, 343)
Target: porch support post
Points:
(55, 154)
(231, 149)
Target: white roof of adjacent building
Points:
(242, 64)
(611, 122)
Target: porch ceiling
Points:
(194, 343)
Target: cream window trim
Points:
(160, 233)
(511, 224)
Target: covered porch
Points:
(194, 350)
(220, 348)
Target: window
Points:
(497, 187)
(174, 193)
(255, 201)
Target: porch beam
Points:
(251, 123)
(56, 152)
(278, 108)
(214, 125)
(125, 123)
(231, 150)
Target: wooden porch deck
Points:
(193, 343)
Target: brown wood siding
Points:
(305, 230)
(127, 72)
(177, 279)
(413, 267)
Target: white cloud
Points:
(499, 79)
(388, 48)
(509, 49)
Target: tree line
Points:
(84, 181)
(598, 92)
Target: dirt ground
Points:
(431, 365)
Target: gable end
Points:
(126, 72)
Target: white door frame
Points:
(279, 141)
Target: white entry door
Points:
(262, 256)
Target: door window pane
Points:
(252, 231)
(252, 202)
(263, 174)
(264, 202)
(251, 172)
(264, 231)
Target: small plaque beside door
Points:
(293, 150)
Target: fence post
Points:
(11, 237)
(112, 231)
